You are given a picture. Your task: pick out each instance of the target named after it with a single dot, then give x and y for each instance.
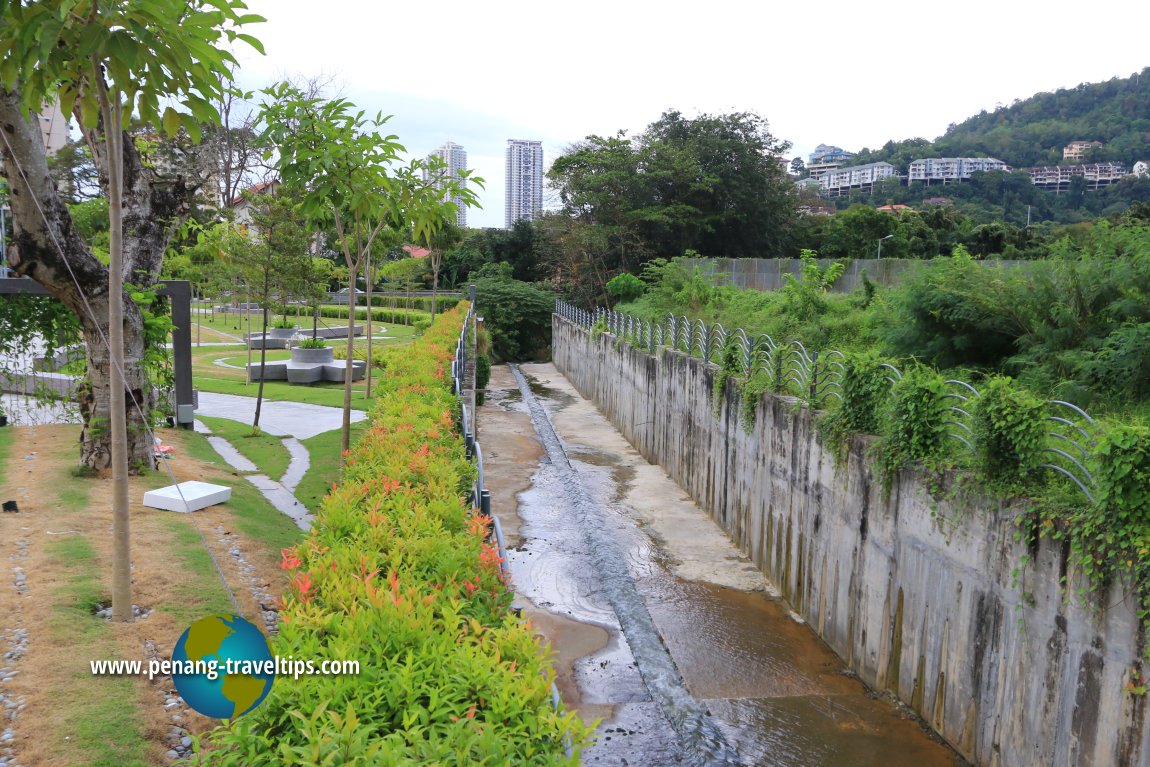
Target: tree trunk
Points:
(345, 431)
(46, 247)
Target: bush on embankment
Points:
(397, 573)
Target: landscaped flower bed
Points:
(397, 574)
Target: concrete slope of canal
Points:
(661, 629)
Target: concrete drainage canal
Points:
(661, 629)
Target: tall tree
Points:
(107, 62)
(715, 184)
(351, 180)
(271, 256)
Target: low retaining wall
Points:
(928, 599)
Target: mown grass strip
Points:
(264, 450)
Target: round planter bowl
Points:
(281, 332)
(314, 356)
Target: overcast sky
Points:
(853, 74)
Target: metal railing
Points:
(813, 377)
(480, 495)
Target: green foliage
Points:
(804, 295)
(954, 312)
(866, 385)
(407, 273)
(313, 343)
(398, 572)
(517, 315)
(155, 55)
(730, 364)
(1009, 426)
(482, 376)
(1111, 537)
(157, 359)
(913, 424)
(421, 326)
(625, 287)
(712, 183)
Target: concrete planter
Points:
(302, 356)
(282, 332)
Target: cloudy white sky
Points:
(855, 74)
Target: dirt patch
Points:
(65, 523)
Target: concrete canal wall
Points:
(929, 599)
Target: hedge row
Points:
(397, 573)
(394, 316)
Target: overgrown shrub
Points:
(517, 315)
(1009, 431)
(397, 573)
(865, 387)
(913, 428)
(952, 312)
(625, 287)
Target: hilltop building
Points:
(836, 183)
(454, 159)
(1076, 151)
(524, 181)
(1056, 178)
(951, 170)
(826, 158)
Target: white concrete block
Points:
(187, 496)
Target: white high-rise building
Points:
(454, 159)
(524, 180)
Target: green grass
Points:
(251, 512)
(200, 591)
(264, 450)
(7, 439)
(101, 716)
(209, 377)
(237, 324)
(324, 468)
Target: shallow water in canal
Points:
(702, 663)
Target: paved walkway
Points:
(294, 421)
(282, 419)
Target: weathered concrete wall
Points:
(917, 596)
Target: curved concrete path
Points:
(282, 419)
(294, 421)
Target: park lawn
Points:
(211, 377)
(234, 324)
(76, 718)
(264, 450)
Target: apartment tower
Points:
(524, 180)
(454, 159)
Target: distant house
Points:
(1076, 151)
(413, 251)
(896, 210)
(242, 205)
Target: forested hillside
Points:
(1033, 131)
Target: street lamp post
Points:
(879, 256)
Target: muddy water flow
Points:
(690, 656)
